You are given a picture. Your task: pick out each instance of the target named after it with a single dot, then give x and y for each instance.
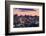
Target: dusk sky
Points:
(24, 11)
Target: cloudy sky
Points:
(24, 11)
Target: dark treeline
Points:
(26, 21)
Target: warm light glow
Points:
(23, 13)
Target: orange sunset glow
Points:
(30, 13)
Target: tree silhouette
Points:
(15, 14)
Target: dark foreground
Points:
(26, 21)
